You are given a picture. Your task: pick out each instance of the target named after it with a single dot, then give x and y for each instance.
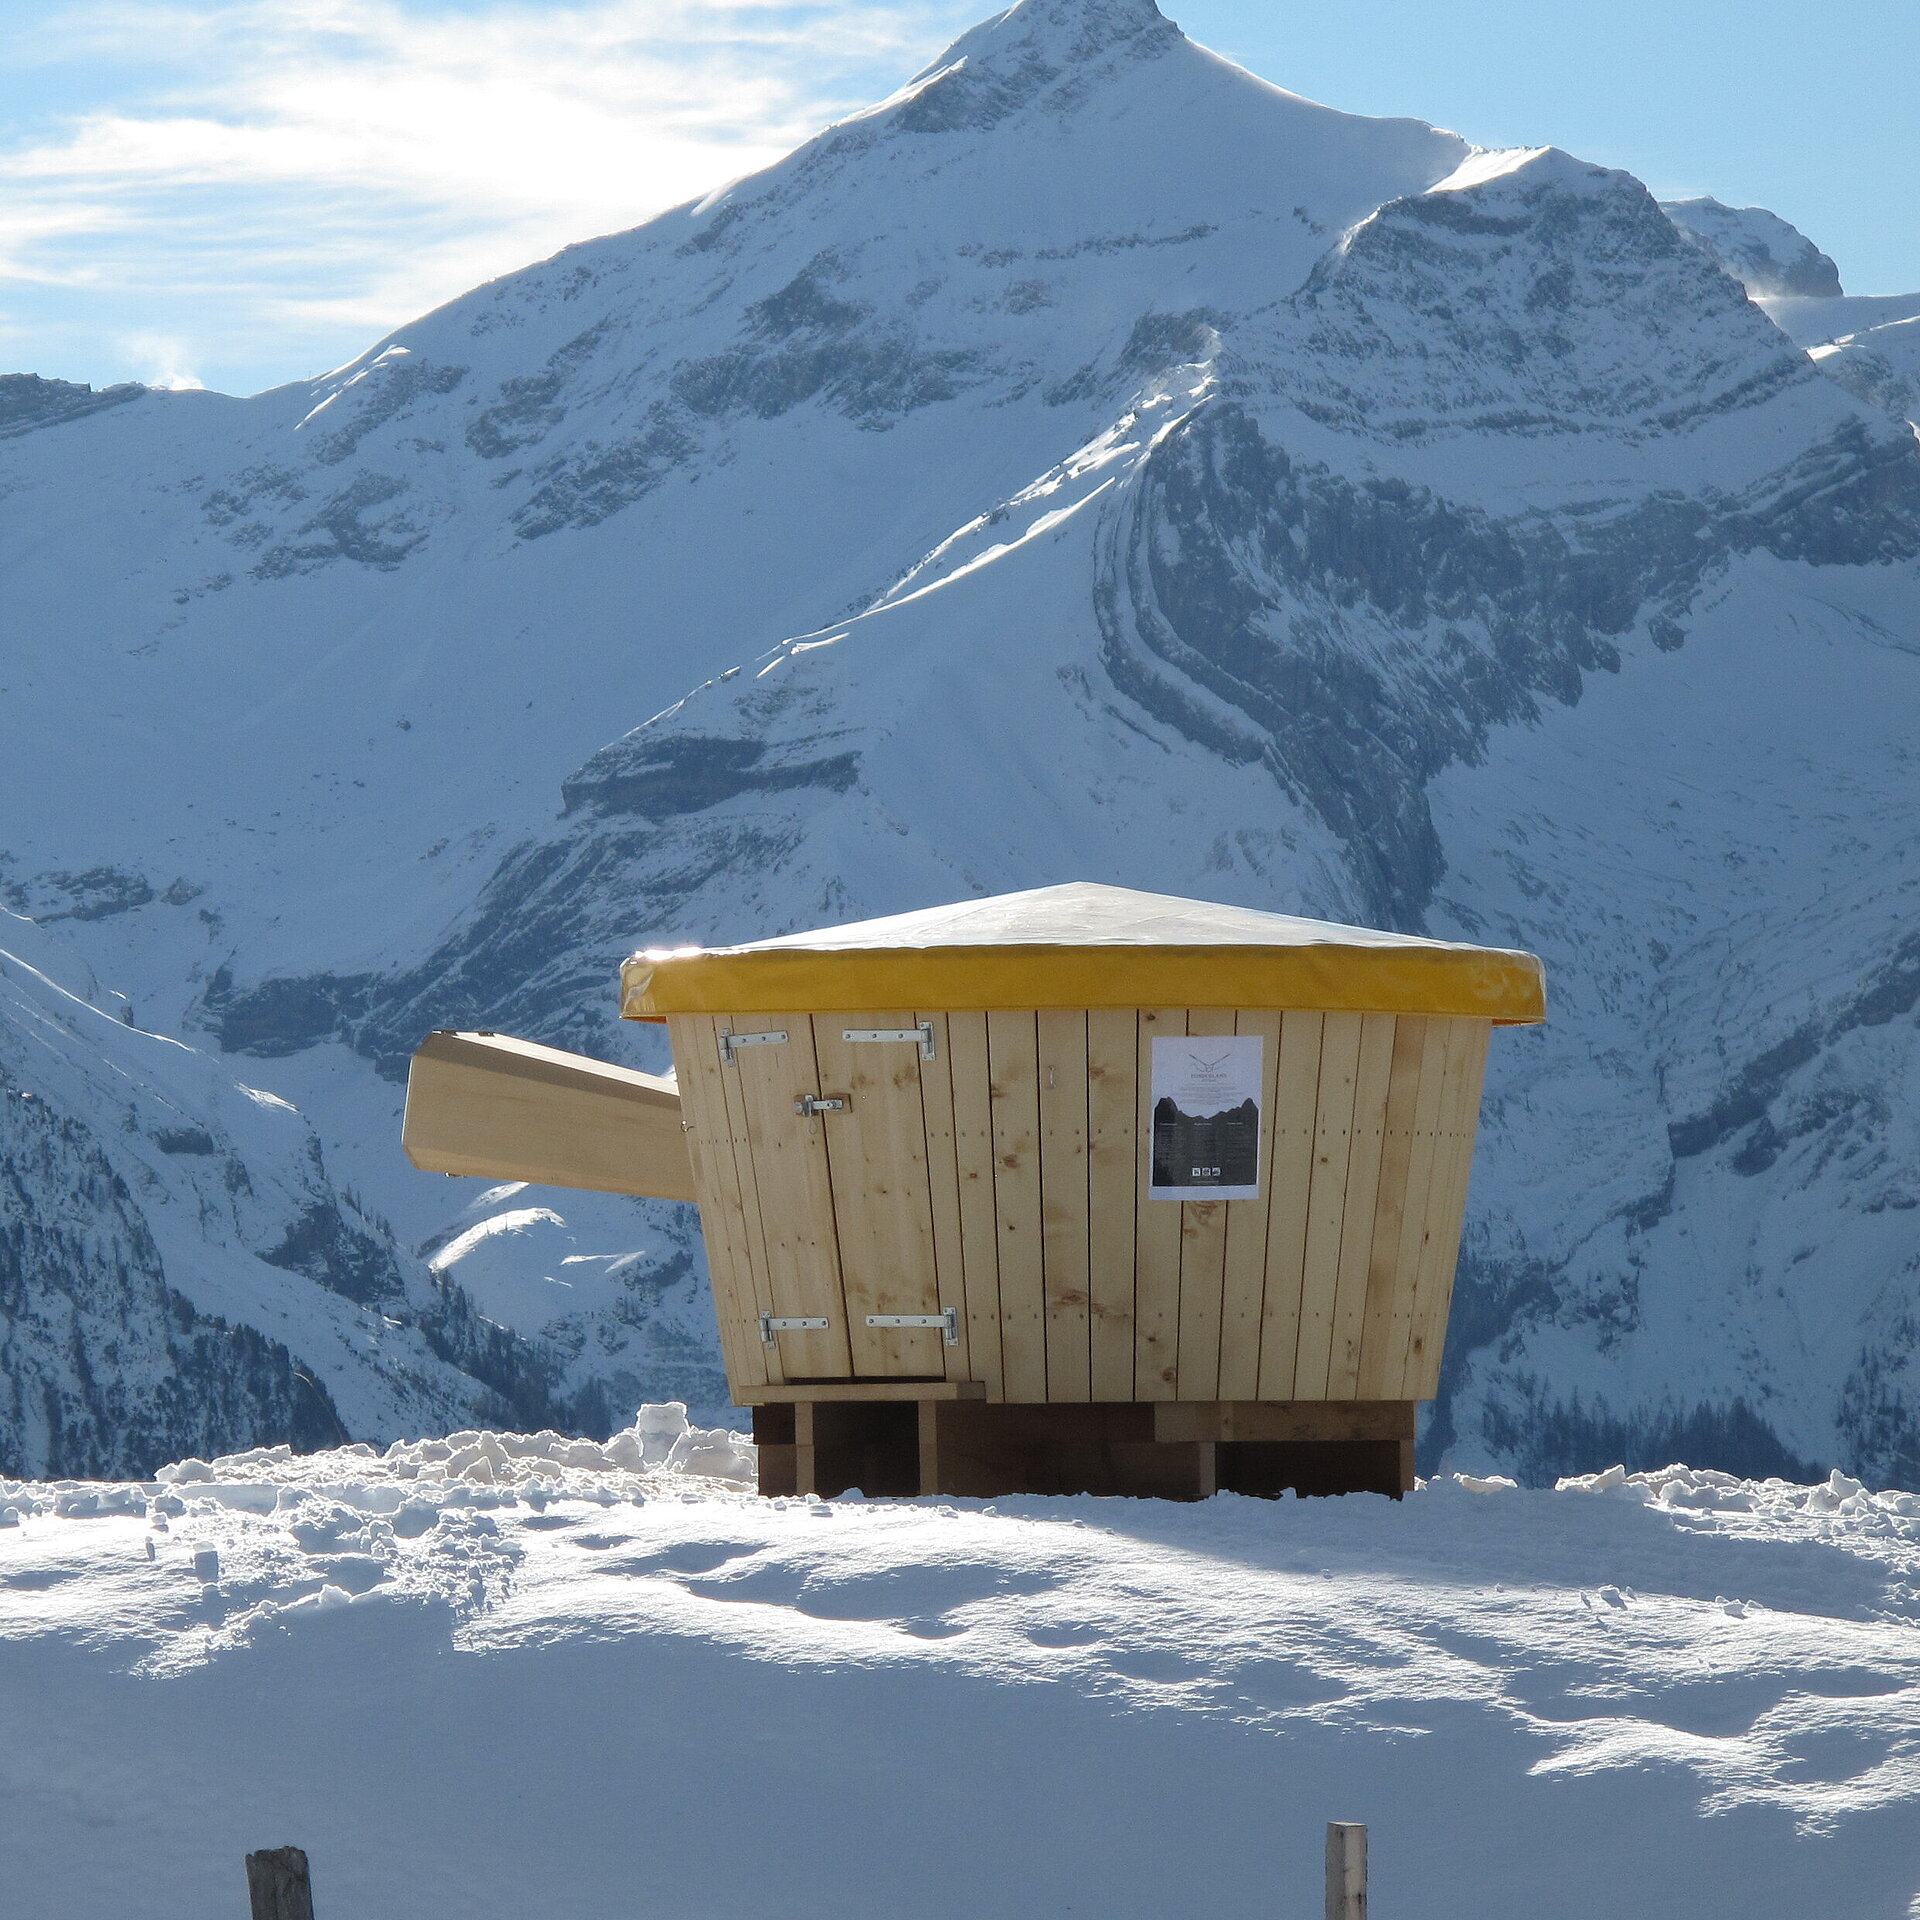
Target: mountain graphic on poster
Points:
(1206, 1116)
(1206, 1151)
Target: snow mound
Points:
(660, 1441)
(562, 1677)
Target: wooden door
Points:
(787, 1152)
(834, 1134)
(876, 1153)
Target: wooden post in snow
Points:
(278, 1885)
(1346, 1870)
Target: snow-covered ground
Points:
(1090, 463)
(511, 1676)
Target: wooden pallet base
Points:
(1178, 1450)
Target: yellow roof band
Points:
(1085, 945)
(1488, 983)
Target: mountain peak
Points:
(1068, 30)
(1532, 169)
(1769, 256)
(1009, 59)
(1463, 308)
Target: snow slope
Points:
(1091, 462)
(511, 1674)
(1880, 365)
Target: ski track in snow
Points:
(535, 1675)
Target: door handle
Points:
(810, 1104)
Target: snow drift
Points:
(539, 1674)
(1089, 463)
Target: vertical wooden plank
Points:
(1443, 1250)
(789, 1159)
(1296, 1104)
(1382, 1378)
(943, 1179)
(973, 1168)
(1424, 1206)
(1327, 1200)
(1113, 1187)
(1062, 1039)
(1203, 1259)
(1013, 1055)
(1243, 1274)
(1372, 1082)
(1378, 1361)
(882, 1199)
(1156, 1253)
(752, 1237)
(703, 1104)
(1440, 1184)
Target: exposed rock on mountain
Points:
(27, 401)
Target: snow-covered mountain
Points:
(1091, 462)
(1764, 253)
(1869, 344)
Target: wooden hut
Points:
(1078, 1189)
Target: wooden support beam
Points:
(811, 1391)
(773, 1440)
(1291, 1420)
(488, 1105)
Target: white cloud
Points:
(282, 178)
(160, 361)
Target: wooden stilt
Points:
(278, 1884)
(1346, 1870)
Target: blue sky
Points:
(241, 192)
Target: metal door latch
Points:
(923, 1034)
(948, 1322)
(811, 1103)
(731, 1043)
(772, 1323)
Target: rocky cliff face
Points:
(179, 1273)
(1089, 463)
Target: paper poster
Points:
(1206, 1117)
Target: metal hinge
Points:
(923, 1033)
(772, 1323)
(811, 1103)
(731, 1043)
(947, 1322)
